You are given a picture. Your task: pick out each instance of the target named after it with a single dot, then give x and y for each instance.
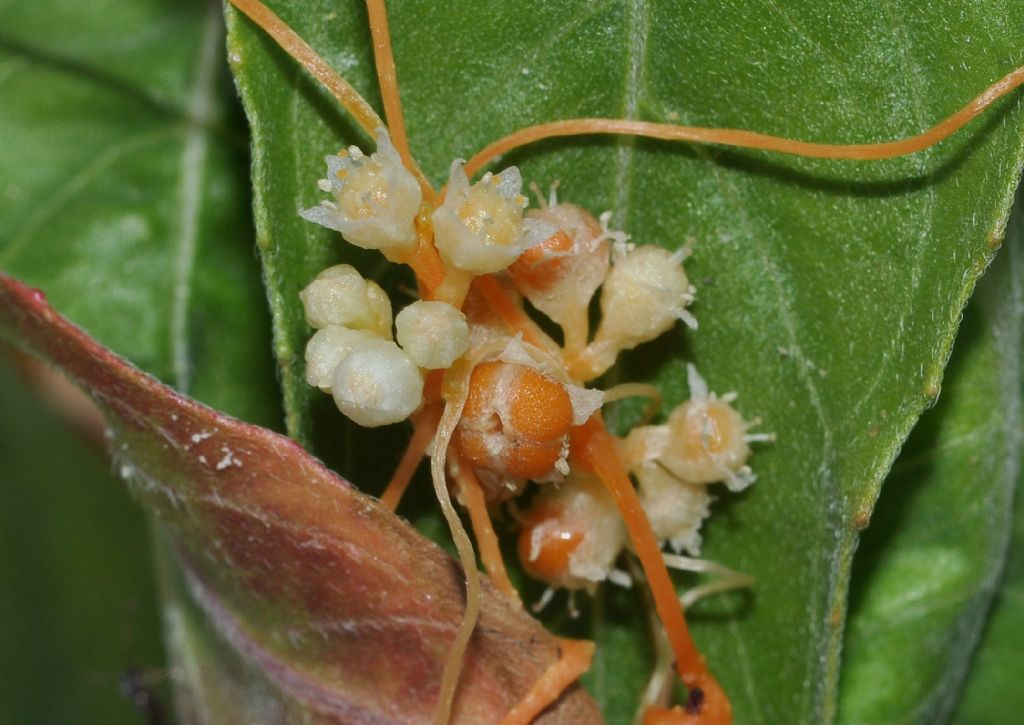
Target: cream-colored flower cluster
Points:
(352, 355)
(704, 441)
(521, 399)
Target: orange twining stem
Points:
(426, 263)
(751, 139)
(698, 710)
(317, 67)
(387, 76)
(502, 304)
(575, 660)
(424, 424)
(471, 496)
(592, 448)
(433, 387)
(298, 49)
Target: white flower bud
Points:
(645, 293)
(480, 228)
(433, 334)
(561, 274)
(340, 296)
(376, 199)
(325, 351)
(707, 439)
(377, 384)
(675, 509)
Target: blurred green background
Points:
(77, 599)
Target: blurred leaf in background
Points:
(124, 195)
(933, 558)
(78, 605)
(126, 190)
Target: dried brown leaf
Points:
(344, 609)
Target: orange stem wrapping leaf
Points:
(347, 96)
(750, 139)
(471, 496)
(299, 49)
(387, 76)
(510, 313)
(424, 425)
(575, 660)
(424, 260)
(592, 448)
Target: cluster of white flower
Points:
(704, 441)
(353, 356)
(375, 199)
(521, 400)
(480, 228)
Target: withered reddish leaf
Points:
(342, 609)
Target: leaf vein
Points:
(193, 161)
(75, 184)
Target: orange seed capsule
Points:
(545, 550)
(515, 421)
(561, 274)
(572, 534)
(543, 266)
(541, 409)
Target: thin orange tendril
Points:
(471, 496)
(299, 49)
(426, 263)
(591, 446)
(317, 67)
(575, 660)
(510, 313)
(387, 76)
(424, 424)
(750, 139)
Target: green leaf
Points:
(828, 293)
(63, 565)
(279, 574)
(124, 192)
(928, 567)
(992, 685)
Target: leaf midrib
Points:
(201, 101)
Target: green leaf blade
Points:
(829, 293)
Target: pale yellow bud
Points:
(325, 351)
(645, 293)
(707, 439)
(434, 334)
(377, 384)
(675, 508)
(340, 296)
